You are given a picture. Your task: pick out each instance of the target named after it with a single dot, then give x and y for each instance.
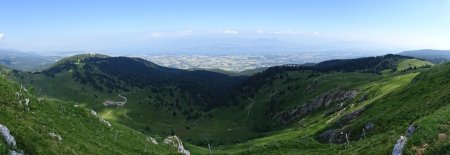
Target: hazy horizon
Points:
(231, 27)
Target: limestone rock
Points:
(152, 140)
(399, 146)
(100, 118)
(410, 130)
(176, 142)
(10, 140)
(334, 97)
(55, 136)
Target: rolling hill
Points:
(114, 74)
(435, 56)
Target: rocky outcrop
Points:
(401, 142)
(55, 136)
(410, 130)
(12, 152)
(336, 96)
(152, 140)
(369, 126)
(335, 136)
(399, 146)
(329, 135)
(339, 136)
(364, 97)
(9, 139)
(176, 142)
(350, 116)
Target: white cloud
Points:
(224, 31)
(2, 35)
(157, 35)
(228, 31)
(185, 32)
(287, 33)
(171, 34)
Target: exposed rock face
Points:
(410, 130)
(176, 142)
(442, 137)
(350, 116)
(401, 142)
(336, 136)
(152, 140)
(364, 97)
(55, 136)
(329, 135)
(333, 97)
(369, 126)
(10, 140)
(12, 152)
(399, 146)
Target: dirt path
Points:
(125, 114)
(163, 124)
(124, 98)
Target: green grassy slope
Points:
(423, 102)
(435, 56)
(81, 132)
(282, 89)
(252, 113)
(421, 99)
(396, 102)
(424, 95)
(248, 125)
(300, 138)
(412, 63)
(245, 120)
(383, 90)
(432, 136)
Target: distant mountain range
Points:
(435, 56)
(26, 61)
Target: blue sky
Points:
(231, 26)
